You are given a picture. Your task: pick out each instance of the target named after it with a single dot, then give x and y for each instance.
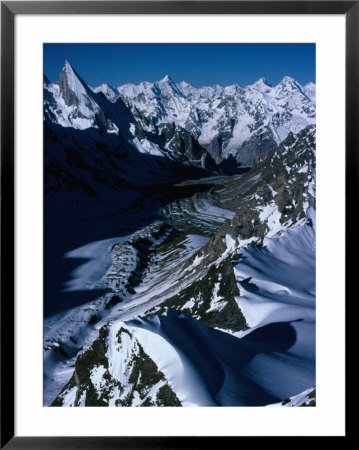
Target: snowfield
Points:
(277, 281)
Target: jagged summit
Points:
(166, 79)
(262, 80)
(260, 85)
(184, 84)
(72, 74)
(110, 92)
(71, 85)
(69, 102)
(166, 87)
(106, 86)
(288, 80)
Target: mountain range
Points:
(241, 124)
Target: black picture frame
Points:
(9, 9)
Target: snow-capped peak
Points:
(108, 91)
(69, 80)
(232, 89)
(106, 86)
(262, 81)
(260, 85)
(167, 87)
(184, 85)
(287, 80)
(166, 79)
(71, 103)
(71, 73)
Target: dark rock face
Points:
(248, 154)
(255, 149)
(208, 163)
(185, 147)
(215, 149)
(101, 122)
(282, 178)
(217, 281)
(143, 121)
(68, 95)
(139, 132)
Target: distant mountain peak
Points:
(69, 75)
(184, 83)
(70, 70)
(166, 79)
(110, 92)
(70, 85)
(87, 108)
(260, 85)
(287, 79)
(167, 86)
(105, 85)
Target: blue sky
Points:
(198, 64)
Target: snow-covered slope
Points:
(203, 366)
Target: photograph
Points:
(179, 201)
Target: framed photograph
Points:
(169, 174)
